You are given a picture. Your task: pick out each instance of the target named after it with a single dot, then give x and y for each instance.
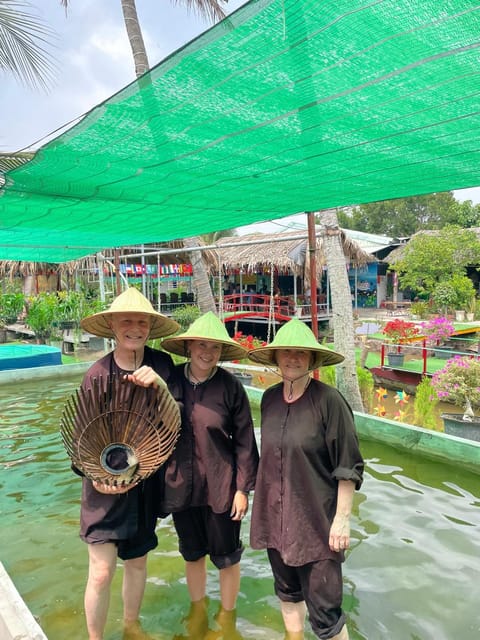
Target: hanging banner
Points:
(180, 270)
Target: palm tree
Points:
(212, 10)
(21, 52)
(347, 380)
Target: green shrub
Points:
(41, 314)
(11, 306)
(425, 404)
(421, 309)
(186, 315)
(366, 384)
(454, 293)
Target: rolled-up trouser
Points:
(320, 584)
(202, 532)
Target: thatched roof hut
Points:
(65, 270)
(34, 277)
(20, 268)
(286, 251)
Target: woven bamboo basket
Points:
(119, 433)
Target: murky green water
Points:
(412, 573)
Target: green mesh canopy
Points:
(285, 106)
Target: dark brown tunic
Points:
(117, 517)
(307, 446)
(216, 453)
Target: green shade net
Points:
(286, 106)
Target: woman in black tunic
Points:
(310, 465)
(214, 464)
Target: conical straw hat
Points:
(206, 327)
(295, 334)
(130, 301)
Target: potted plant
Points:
(454, 294)
(398, 332)
(41, 314)
(459, 383)
(437, 331)
(420, 309)
(70, 309)
(471, 308)
(11, 306)
(248, 342)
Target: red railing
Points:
(259, 304)
(238, 302)
(426, 350)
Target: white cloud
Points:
(468, 194)
(110, 42)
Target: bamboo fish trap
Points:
(119, 433)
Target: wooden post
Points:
(312, 255)
(117, 272)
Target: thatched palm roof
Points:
(14, 268)
(286, 250)
(9, 161)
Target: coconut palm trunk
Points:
(347, 380)
(135, 37)
(201, 281)
(212, 9)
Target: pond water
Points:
(412, 572)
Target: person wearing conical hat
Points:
(310, 466)
(119, 521)
(214, 464)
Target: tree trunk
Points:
(135, 37)
(347, 381)
(201, 281)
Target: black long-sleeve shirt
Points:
(307, 446)
(216, 453)
(117, 517)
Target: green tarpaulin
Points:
(287, 106)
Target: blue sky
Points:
(94, 62)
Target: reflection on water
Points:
(411, 573)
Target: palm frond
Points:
(24, 42)
(210, 9)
